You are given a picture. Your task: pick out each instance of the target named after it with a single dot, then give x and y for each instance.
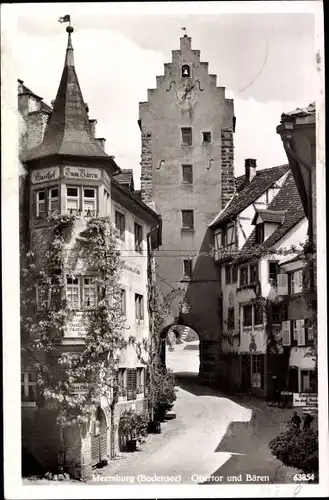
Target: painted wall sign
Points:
(91, 174)
(306, 399)
(134, 270)
(76, 326)
(44, 175)
(79, 388)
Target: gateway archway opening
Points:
(181, 349)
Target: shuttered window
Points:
(286, 335)
(296, 282)
(301, 332)
(131, 383)
(282, 284)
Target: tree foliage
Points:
(42, 328)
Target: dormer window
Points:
(186, 71)
(260, 233)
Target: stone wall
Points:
(227, 153)
(146, 170)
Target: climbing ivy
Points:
(95, 363)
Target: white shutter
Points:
(301, 332)
(286, 340)
(299, 281)
(282, 284)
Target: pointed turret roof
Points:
(68, 131)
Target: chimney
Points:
(101, 142)
(93, 124)
(250, 169)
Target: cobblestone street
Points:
(212, 436)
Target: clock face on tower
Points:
(186, 96)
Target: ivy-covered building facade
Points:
(86, 239)
(259, 237)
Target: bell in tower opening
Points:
(185, 71)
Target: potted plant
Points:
(133, 427)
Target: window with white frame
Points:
(258, 314)
(296, 282)
(139, 306)
(309, 330)
(120, 223)
(53, 200)
(138, 230)
(41, 297)
(286, 333)
(122, 381)
(89, 202)
(123, 301)
(229, 237)
(247, 315)
(140, 380)
(218, 240)
(244, 276)
(72, 200)
(107, 203)
(256, 370)
(89, 291)
(41, 204)
(28, 388)
(253, 273)
(72, 292)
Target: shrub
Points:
(165, 393)
(297, 448)
(133, 425)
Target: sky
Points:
(266, 61)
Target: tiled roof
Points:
(125, 176)
(299, 112)
(270, 216)
(68, 131)
(25, 90)
(246, 195)
(287, 199)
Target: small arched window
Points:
(186, 71)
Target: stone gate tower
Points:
(187, 176)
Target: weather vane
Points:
(184, 31)
(65, 19)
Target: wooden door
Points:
(99, 439)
